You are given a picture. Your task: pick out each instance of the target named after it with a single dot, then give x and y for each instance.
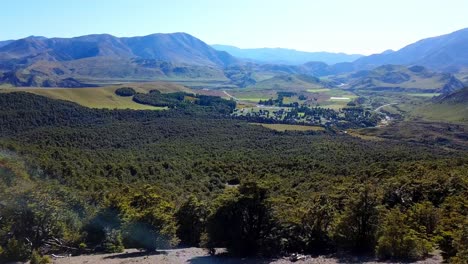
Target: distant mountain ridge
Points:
(177, 48)
(445, 53)
(52, 62)
(286, 56)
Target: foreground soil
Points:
(200, 256)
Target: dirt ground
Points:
(200, 256)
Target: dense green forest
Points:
(80, 180)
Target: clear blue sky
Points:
(351, 26)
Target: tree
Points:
(452, 229)
(149, 220)
(424, 217)
(191, 220)
(37, 219)
(358, 223)
(397, 240)
(242, 220)
(107, 219)
(125, 91)
(317, 224)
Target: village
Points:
(275, 111)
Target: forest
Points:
(82, 180)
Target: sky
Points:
(350, 26)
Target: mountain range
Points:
(78, 61)
(179, 48)
(286, 56)
(446, 53)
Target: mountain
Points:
(444, 53)
(397, 78)
(5, 42)
(286, 56)
(177, 48)
(50, 62)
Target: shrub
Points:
(16, 250)
(36, 258)
(82, 246)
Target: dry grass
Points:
(103, 97)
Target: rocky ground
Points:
(200, 256)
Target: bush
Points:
(113, 241)
(16, 251)
(82, 246)
(125, 91)
(398, 241)
(36, 258)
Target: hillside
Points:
(456, 97)
(162, 171)
(286, 56)
(395, 78)
(447, 52)
(103, 97)
(452, 107)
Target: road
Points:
(230, 96)
(380, 107)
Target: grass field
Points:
(457, 113)
(319, 90)
(285, 127)
(102, 97)
(337, 103)
(252, 95)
